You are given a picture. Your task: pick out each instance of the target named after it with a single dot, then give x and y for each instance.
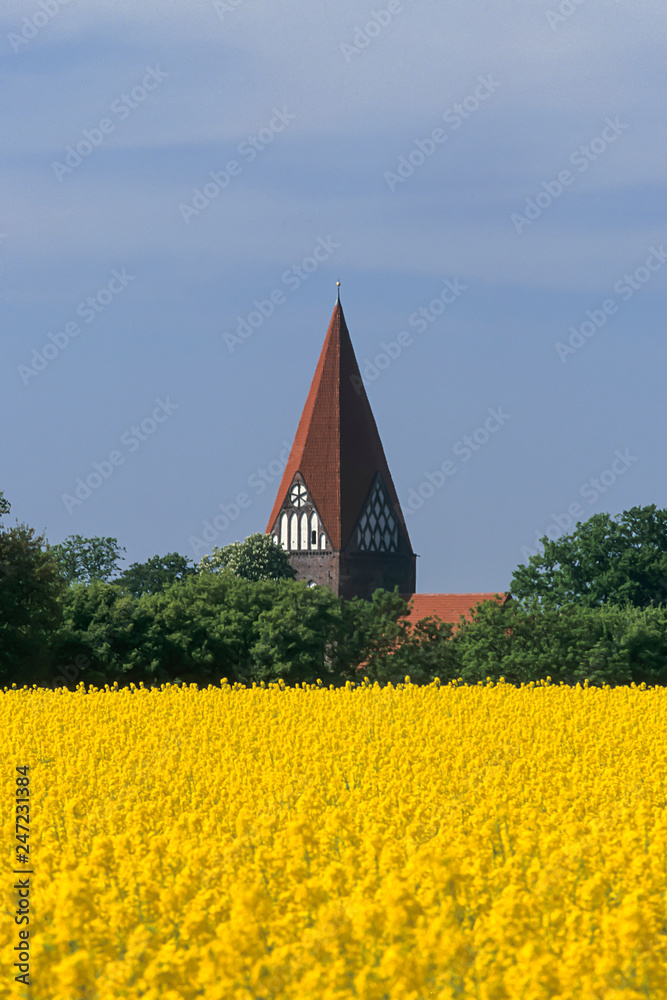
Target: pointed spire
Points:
(337, 447)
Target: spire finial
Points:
(338, 284)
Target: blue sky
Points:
(170, 167)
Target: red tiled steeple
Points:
(337, 448)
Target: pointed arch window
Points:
(299, 523)
(377, 530)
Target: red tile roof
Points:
(337, 448)
(449, 607)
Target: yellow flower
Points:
(409, 842)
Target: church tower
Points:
(337, 513)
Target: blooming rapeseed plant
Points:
(403, 843)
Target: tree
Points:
(396, 647)
(257, 558)
(5, 508)
(103, 637)
(154, 575)
(31, 589)
(82, 560)
(202, 628)
(607, 644)
(606, 560)
(294, 638)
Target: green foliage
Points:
(154, 575)
(590, 608)
(205, 627)
(296, 637)
(31, 588)
(83, 560)
(392, 648)
(5, 506)
(213, 625)
(606, 560)
(607, 644)
(257, 558)
(104, 629)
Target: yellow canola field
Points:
(401, 843)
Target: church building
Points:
(337, 512)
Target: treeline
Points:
(589, 607)
(214, 625)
